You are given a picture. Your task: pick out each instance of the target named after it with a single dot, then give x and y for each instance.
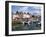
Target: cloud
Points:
(23, 9)
(30, 9)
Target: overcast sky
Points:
(30, 9)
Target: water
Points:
(32, 26)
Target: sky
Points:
(30, 9)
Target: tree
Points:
(28, 13)
(17, 12)
(33, 16)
